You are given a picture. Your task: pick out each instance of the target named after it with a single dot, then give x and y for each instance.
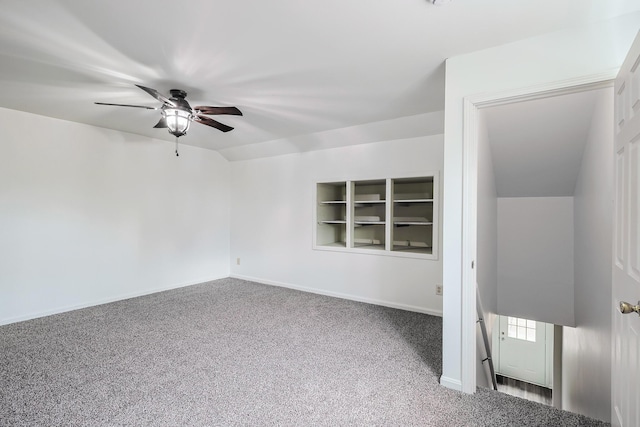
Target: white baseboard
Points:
(451, 383)
(341, 295)
(120, 297)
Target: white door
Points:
(522, 349)
(625, 365)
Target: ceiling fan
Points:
(177, 114)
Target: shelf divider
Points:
(388, 233)
(350, 213)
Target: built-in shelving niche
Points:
(389, 216)
(413, 219)
(332, 214)
(369, 214)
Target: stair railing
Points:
(485, 338)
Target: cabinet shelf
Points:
(413, 201)
(361, 203)
(369, 246)
(368, 243)
(413, 249)
(336, 245)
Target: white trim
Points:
(414, 173)
(108, 300)
(469, 237)
(341, 295)
(547, 90)
(469, 194)
(383, 252)
(451, 383)
(548, 382)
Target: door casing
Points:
(472, 105)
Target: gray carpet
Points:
(232, 352)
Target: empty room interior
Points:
(224, 213)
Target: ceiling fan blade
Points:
(157, 95)
(213, 123)
(128, 105)
(162, 123)
(218, 110)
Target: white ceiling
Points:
(537, 146)
(295, 68)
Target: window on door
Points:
(522, 329)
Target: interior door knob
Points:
(626, 308)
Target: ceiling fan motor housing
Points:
(178, 93)
(178, 97)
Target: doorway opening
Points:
(543, 235)
(523, 358)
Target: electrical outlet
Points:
(237, 261)
(438, 289)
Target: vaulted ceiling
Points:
(537, 145)
(297, 69)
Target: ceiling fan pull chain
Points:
(177, 147)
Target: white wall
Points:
(535, 258)
(89, 215)
(587, 348)
(487, 247)
(581, 51)
(272, 224)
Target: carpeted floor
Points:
(232, 352)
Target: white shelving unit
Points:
(413, 215)
(388, 216)
(369, 213)
(332, 201)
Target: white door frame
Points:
(472, 105)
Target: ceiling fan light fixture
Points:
(178, 121)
